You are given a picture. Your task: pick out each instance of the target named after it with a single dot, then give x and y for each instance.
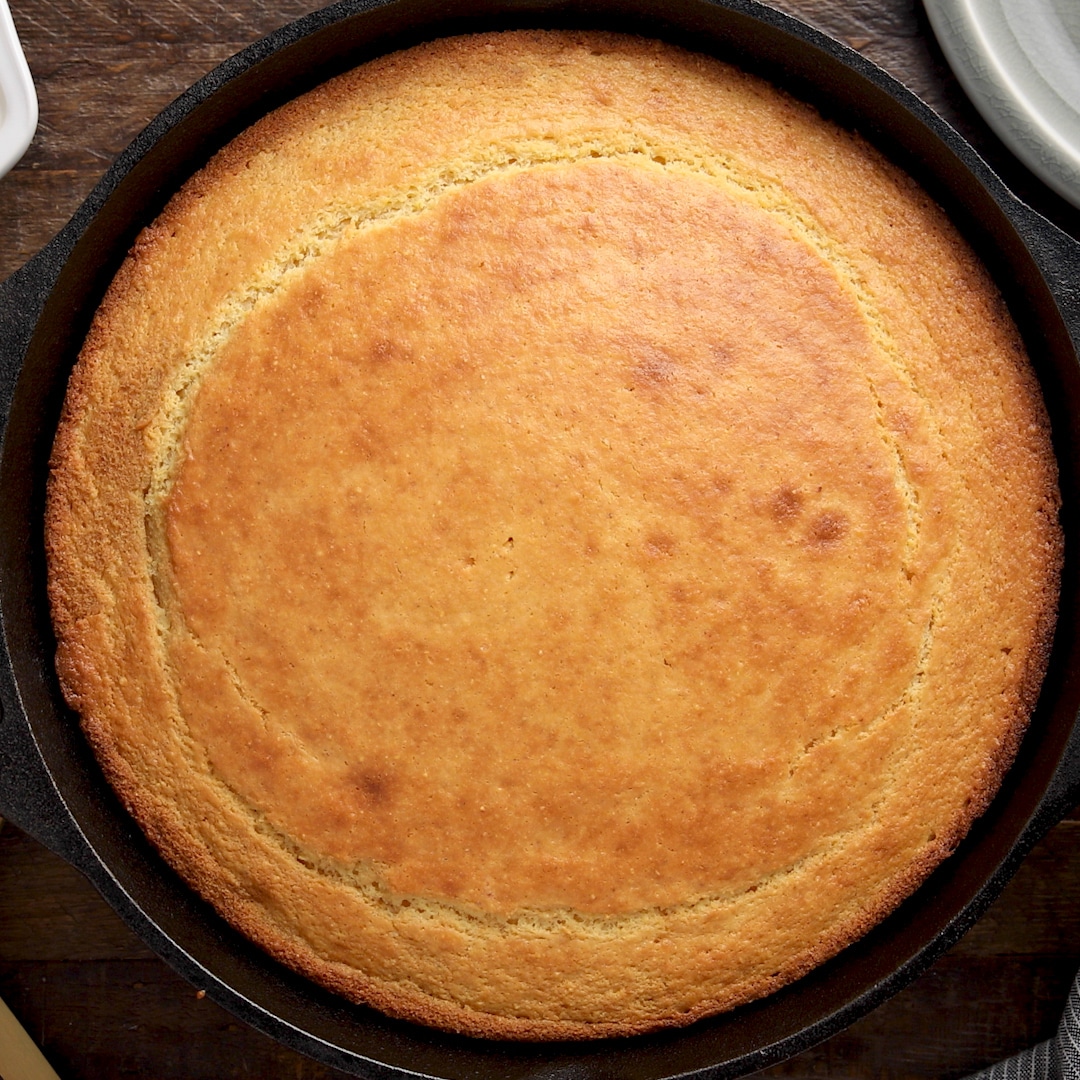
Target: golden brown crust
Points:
(515, 642)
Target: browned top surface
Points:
(561, 517)
(556, 604)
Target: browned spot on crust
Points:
(828, 529)
(786, 504)
(659, 545)
(654, 370)
(384, 350)
(375, 784)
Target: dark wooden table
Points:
(98, 1002)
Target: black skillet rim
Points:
(104, 843)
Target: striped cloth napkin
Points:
(1056, 1059)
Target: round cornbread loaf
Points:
(551, 537)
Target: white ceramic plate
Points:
(18, 101)
(1019, 61)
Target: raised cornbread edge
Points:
(397, 998)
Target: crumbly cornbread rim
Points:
(77, 677)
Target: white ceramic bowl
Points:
(18, 100)
(1019, 61)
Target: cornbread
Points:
(551, 537)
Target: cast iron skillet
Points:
(51, 786)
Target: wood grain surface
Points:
(98, 1001)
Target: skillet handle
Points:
(28, 796)
(1058, 256)
(1063, 791)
